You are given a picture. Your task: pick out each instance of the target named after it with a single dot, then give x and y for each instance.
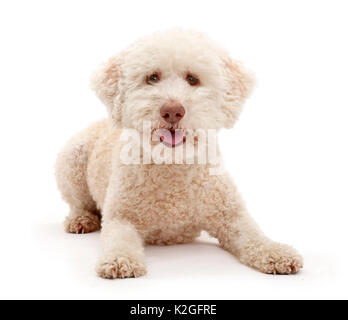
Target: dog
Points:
(177, 81)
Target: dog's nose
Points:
(172, 112)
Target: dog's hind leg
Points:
(81, 221)
(71, 174)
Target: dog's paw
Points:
(121, 267)
(82, 224)
(276, 258)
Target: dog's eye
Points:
(192, 80)
(155, 77)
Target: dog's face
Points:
(176, 80)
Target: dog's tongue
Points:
(172, 137)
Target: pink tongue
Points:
(170, 138)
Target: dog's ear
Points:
(239, 85)
(105, 83)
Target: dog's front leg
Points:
(238, 233)
(122, 251)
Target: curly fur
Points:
(162, 204)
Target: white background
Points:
(288, 153)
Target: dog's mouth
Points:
(171, 137)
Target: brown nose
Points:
(172, 112)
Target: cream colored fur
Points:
(162, 204)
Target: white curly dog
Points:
(180, 81)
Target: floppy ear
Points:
(105, 83)
(239, 85)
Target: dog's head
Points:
(177, 80)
